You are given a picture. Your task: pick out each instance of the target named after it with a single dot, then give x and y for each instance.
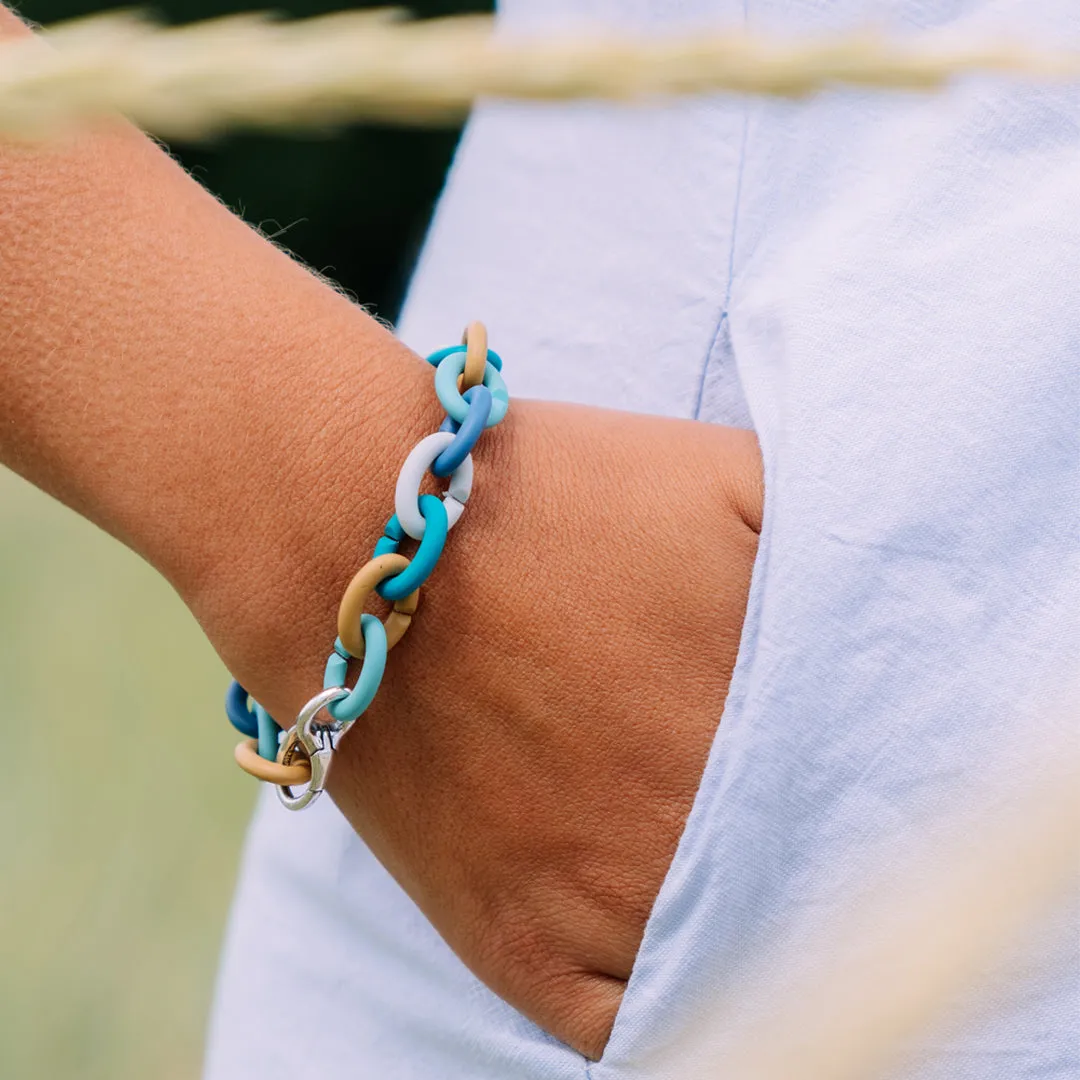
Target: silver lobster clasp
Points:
(318, 742)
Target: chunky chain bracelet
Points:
(470, 388)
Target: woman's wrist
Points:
(307, 512)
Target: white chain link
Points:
(407, 492)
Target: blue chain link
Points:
(466, 433)
(240, 716)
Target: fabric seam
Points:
(725, 304)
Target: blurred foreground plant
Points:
(249, 71)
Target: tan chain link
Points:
(475, 341)
(356, 596)
(273, 772)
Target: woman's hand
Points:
(528, 765)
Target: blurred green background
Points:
(119, 856)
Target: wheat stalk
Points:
(250, 71)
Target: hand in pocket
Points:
(528, 766)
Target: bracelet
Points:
(470, 387)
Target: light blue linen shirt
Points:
(883, 286)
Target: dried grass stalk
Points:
(249, 71)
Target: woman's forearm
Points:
(157, 353)
(175, 378)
